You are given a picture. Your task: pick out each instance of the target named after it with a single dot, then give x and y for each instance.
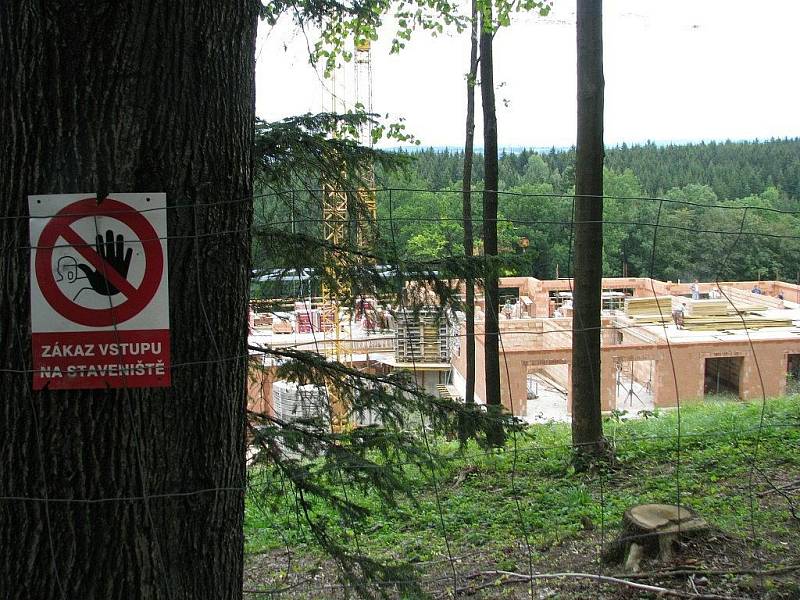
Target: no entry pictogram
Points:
(136, 298)
(99, 291)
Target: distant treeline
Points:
(731, 169)
(722, 210)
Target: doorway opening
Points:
(634, 385)
(723, 376)
(793, 374)
(547, 393)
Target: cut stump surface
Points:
(663, 518)
(652, 529)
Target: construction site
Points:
(662, 343)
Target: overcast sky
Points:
(676, 70)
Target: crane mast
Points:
(336, 212)
(337, 217)
(366, 194)
(335, 220)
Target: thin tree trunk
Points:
(587, 425)
(492, 330)
(155, 95)
(466, 187)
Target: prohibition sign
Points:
(60, 226)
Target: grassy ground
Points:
(526, 510)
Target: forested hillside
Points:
(724, 210)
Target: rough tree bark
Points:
(491, 291)
(466, 187)
(153, 95)
(587, 424)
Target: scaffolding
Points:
(291, 402)
(422, 336)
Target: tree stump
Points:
(651, 530)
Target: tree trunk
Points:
(145, 486)
(587, 424)
(492, 330)
(466, 187)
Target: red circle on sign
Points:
(141, 296)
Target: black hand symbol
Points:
(111, 252)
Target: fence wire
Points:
(462, 582)
(463, 567)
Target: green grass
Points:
(722, 446)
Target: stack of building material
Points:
(728, 322)
(262, 320)
(652, 309)
(291, 401)
(745, 307)
(281, 326)
(721, 315)
(307, 318)
(745, 301)
(304, 322)
(706, 308)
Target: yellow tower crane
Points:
(366, 195)
(336, 220)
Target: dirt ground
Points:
(715, 566)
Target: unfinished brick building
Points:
(646, 361)
(644, 364)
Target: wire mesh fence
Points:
(517, 521)
(661, 458)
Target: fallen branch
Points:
(446, 559)
(680, 572)
(471, 589)
(521, 577)
(784, 491)
(786, 486)
(278, 591)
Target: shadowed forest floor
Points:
(526, 510)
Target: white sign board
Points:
(99, 291)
